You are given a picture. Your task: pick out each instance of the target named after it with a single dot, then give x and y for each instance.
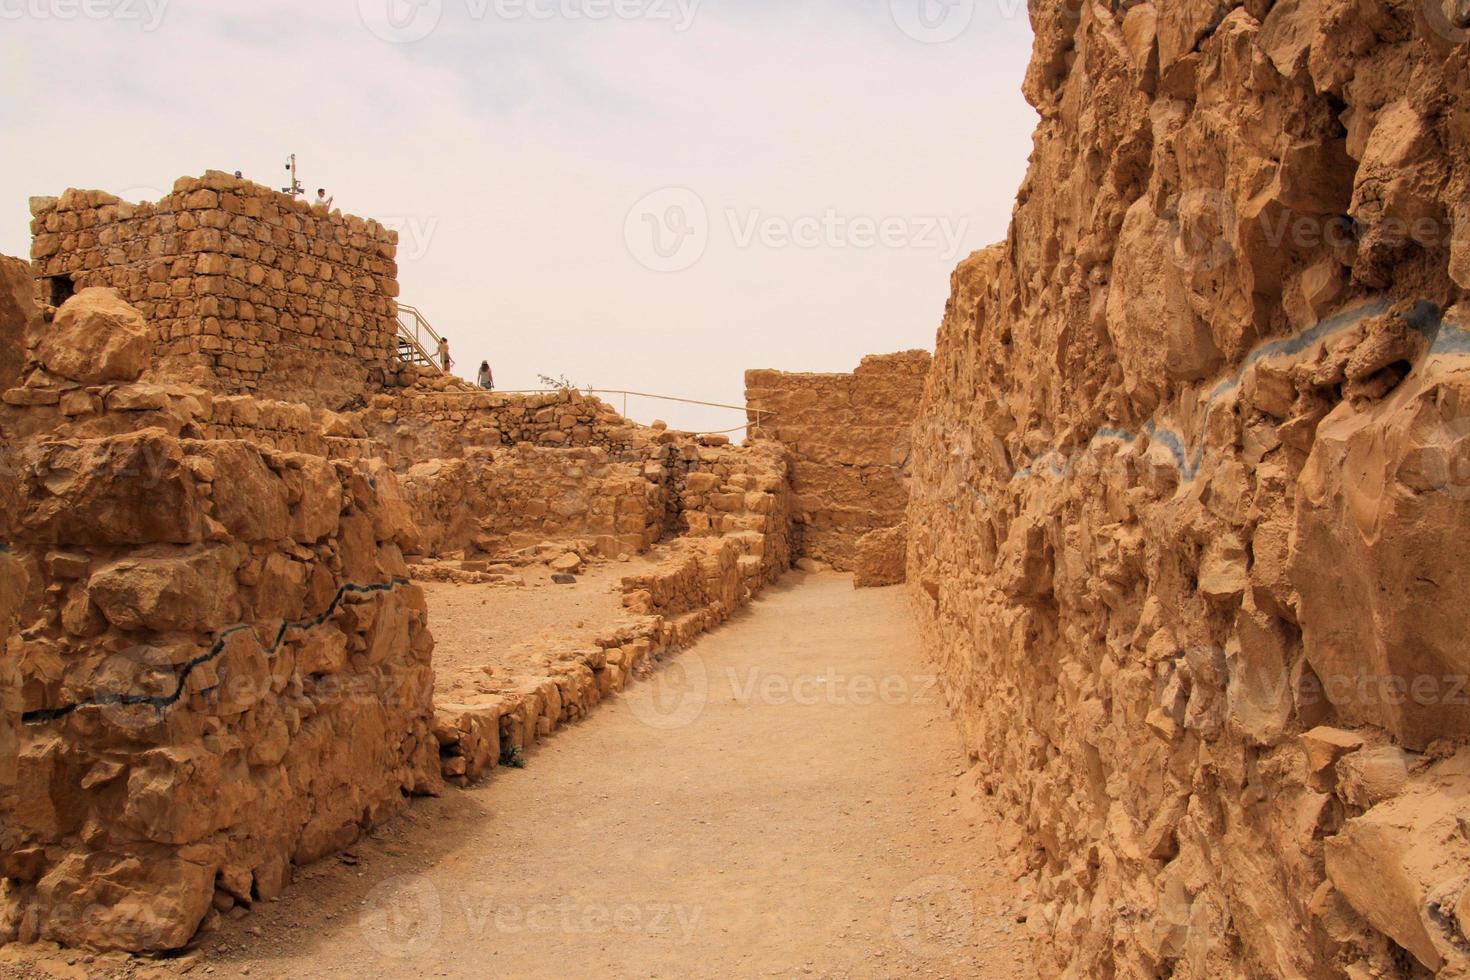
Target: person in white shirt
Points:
(323, 199)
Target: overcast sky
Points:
(642, 194)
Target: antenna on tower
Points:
(295, 189)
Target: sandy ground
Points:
(512, 630)
(777, 801)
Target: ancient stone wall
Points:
(417, 425)
(244, 289)
(493, 502)
(222, 671)
(214, 666)
(850, 443)
(1189, 497)
(742, 492)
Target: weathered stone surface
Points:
(881, 557)
(849, 435)
(288, 303)
(185, 592)
(96, 337)
(1402, 865)
(18, 317)
(129, 490)
(1187, 501)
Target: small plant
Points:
(512, 756)
(559, 382)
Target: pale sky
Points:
(643, 194)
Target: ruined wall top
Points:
(246, 289)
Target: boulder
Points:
(122, 490)
(881, 556)
(184, 592)
(122, 902)
(95, 338)
(1402, 864)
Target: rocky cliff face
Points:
(17, 315)
(1192, 490)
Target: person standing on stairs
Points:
(486, 380)
(444, 360)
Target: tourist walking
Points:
(486, 380)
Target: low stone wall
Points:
(422, 424)
(743, 492)
(849, 436)
(495, 501)
(222, 671)
(244, 289)
(696, 589)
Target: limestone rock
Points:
(881, 557)
(96, 337)
(18, 319)
(166, 593)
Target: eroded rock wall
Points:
(222, 671)
(214, 666)
(849, 439)
(1190, 492)
(18, 315)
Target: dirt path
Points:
(777, 802)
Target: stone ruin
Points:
(1181, 509)
(1190, 503)
(221, 490)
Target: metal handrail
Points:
(412, 335)
(760, 413)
